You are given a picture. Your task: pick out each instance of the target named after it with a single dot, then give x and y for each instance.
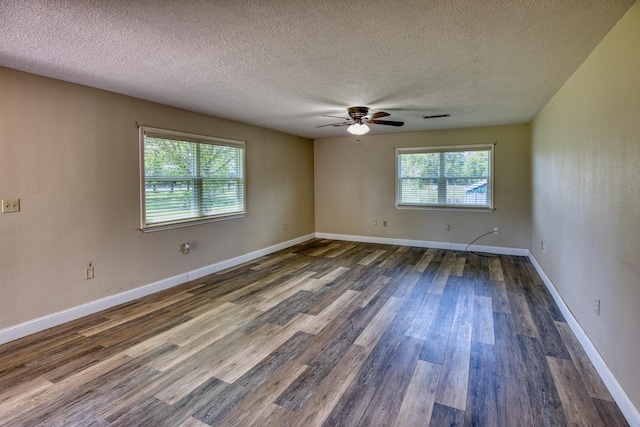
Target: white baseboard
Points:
(213, 268)
(425, 244)
(50, 320)
(620, 396)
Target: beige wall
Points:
(586, 197)
(70, 153)
(355, 184)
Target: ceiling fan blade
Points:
(378, 115)
(386, 122)
(336, 124)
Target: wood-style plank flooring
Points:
(325, 333)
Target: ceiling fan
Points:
(359, 120)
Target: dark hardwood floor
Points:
(324, 333)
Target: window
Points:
(187, 179)
(445, 177)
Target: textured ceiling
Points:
(281, 64)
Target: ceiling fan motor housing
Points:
(358, 113)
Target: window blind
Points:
(188, 178)
(445, 177)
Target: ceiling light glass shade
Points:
(358, 129)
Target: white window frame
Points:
(442, 204)
(193, 138)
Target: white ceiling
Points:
(281, 64)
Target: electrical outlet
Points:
(384, 223)
(447, 227)
(496, 230)
(88, 272)
(542, 247)
(597, 306)
(375, 222)
(285, 227)
(10, 205)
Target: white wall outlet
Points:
(285, 227)
(542, 247)
(597, 306)
(10, 205)
(496, 230)
(375, 222)
(89, 272)
(447, 227)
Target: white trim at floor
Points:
(425, 244)
(48, 321)
(619, 395)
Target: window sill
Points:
(446, 208)
(189, 222)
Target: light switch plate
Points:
(10, 205)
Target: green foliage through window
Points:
(445, 177)
(190, 178)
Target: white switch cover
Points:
(10, 205)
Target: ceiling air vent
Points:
(436, 116)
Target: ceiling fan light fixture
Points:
(358, 129)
